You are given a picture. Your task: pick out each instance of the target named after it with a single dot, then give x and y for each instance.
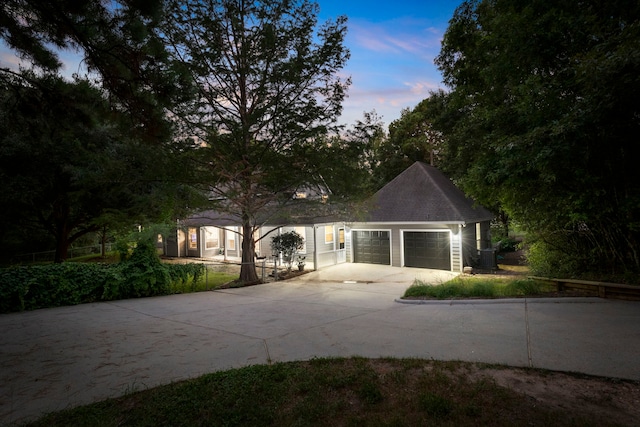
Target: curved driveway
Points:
(56, 358)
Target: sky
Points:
(392, 44)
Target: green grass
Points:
(344, 392)
(212, 279)
(109, 258)
(471, 287)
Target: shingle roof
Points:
(296, 214)
(423, 194)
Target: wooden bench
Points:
(601, 289)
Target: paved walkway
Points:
(56, 358)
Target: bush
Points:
(508, 245)
(472, 287)
(548, 261)
(185, 275)
(39, 286)
(288, 244)
(142, 274)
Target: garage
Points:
(427, 249)
(371, 247)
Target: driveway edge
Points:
(566, 300)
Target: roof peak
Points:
(423, 193)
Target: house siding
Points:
(456, 250)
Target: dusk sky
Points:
(392, 46)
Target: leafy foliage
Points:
(140, 275)
(412, 138)
(288, 244)
(268, 89)
(69, 166)
(542, 117)
(117, 40)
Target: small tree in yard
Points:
(288, 244)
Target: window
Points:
(211, 238)
(193, 238)
(231, 239)
(341, 238)
(328, 233)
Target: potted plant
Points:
(301, 263)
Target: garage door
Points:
(371, 247)
(427, 250)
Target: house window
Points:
(211, 236)
(193, 238)
(341, 238)
(231, 239)
(328, 233)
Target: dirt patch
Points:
(616, 400)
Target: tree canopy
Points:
(411, 138)
(543, 116)
(268, 90)
(69, 165)
(117, 42)
(96, 150)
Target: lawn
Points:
(212, 279)
(353, 392)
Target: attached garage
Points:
(427, 220)
(430, 249)
(371, 247)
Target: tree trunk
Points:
(248, 272)
(504, 219)
(103, 242)
(62, 245)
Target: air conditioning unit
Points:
(488, 259)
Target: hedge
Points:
(54, 285)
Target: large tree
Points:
(412, 138)
(122, 51)
(116, 41)
(268, 89)
(543, 116)
(69, 165)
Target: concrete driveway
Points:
(57, 358)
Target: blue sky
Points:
(392, 46)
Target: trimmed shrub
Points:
(142, 274)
